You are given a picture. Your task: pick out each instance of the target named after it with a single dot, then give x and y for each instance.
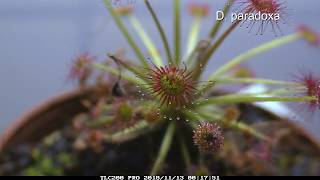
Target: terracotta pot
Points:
(44, 118)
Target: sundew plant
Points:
(169, 89)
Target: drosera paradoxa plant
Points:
(268, 7)
(172, 83)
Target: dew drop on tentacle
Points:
(201, 67)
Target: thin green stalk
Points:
(130, 132)
(115, 72)
(197, 53)
(129, 67)
(205, 58)
(249, 98)
(161, 31)
(231, 80)
(285, 91)
(184, 151)
(102, 121)
(249, 130)
(213, 31)
(128, 77)
(193, 35)
(126, 33)
(238, 125)
(164, 148)
(201, 159)
(214, 117)
(217, 44)
(252, 52)
(156, 58)
(218, 24)
(249, 54)
(177, 32)
(190, 59)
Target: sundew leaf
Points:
(129, 133)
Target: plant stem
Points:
(127, 77)
(217, 25)
(129, 67)
(193, 36)
(249, 54)
(248, 130)
(114, 72)
(129, 133)
(285, 91)
(217, 44)
(126, 33)
(214, 117)
(232, 80)
(205, 58)
(176, 26)
(190, 59)
(184, 151)
(235, 125)
(249, 98)
(156, 58)
(101, 121)
(164, 148)
(161, 31)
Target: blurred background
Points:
(39, 39)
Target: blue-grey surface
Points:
(38, 39)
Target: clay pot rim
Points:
(40, 108)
